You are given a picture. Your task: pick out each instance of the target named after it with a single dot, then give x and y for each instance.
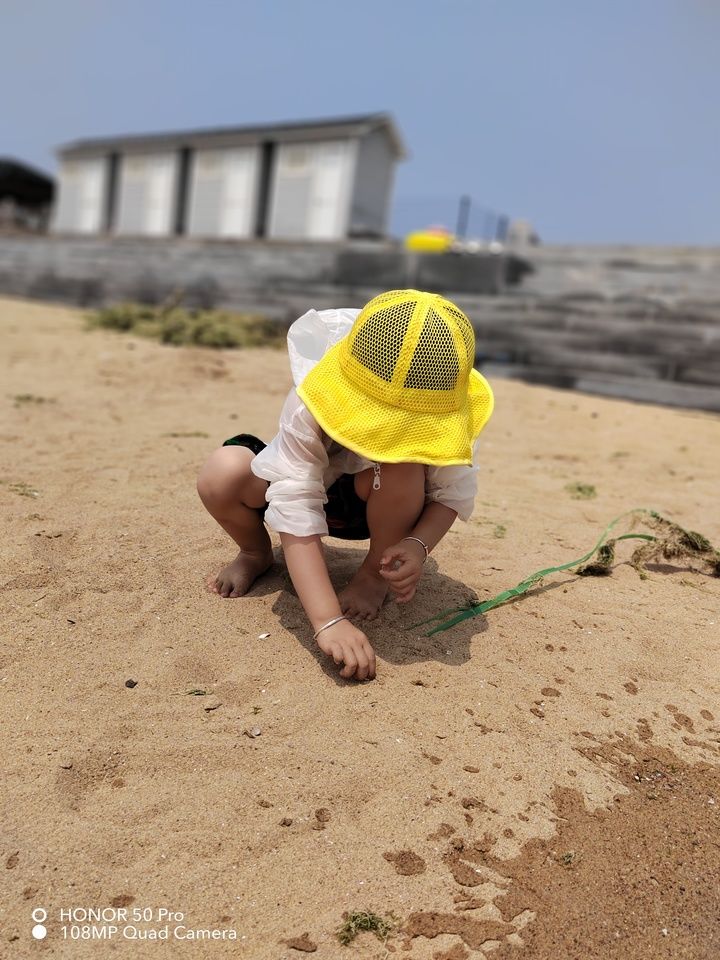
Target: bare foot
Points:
(364, 595)
(237, 577)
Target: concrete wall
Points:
(94, 270)
(644, 325)
(107, 269)
(609, 271)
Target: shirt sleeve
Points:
(294, 465)
(455, 487)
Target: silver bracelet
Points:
(423, 545)
(328, 624)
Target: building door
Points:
(239, 194)
(159, 194)
(222, 196)
(328, 204)
(291, 190)
(146, 194)
(81, 196)
(311, 188)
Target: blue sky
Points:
(597, 121)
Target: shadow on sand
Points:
(392, 634)
(399, 634)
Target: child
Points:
(376, 442)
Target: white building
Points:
(319, 180)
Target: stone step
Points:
(651, 367)
(574, 360)
(667, 354)
(700, 373)
(665, 392)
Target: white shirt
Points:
(302, 461)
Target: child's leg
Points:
(233, 494)
(392, 512)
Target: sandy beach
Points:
(541, 782)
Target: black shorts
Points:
(344, 510)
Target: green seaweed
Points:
(23, 489)
(581, 491)
(25, 399)
(668, 542)
(358, 921)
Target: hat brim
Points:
(384, 433)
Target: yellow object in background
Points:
(429, 241)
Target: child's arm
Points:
(342, 641)
(294, 464)
(450, 493)
(401, 564)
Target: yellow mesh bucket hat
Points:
(400, 386)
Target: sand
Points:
(492, 788)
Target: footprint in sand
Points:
(406, 863)
(681, 719)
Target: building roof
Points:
(293, 131)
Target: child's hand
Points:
(401, 566)
(346, 644)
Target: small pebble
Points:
(212, 703)
(286, 822)
(263, 636)
(252, 731)
(131, 683)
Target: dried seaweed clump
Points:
(601, 563)
(671, 542)
(169, 323)
(674, 543)
(360, 920)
